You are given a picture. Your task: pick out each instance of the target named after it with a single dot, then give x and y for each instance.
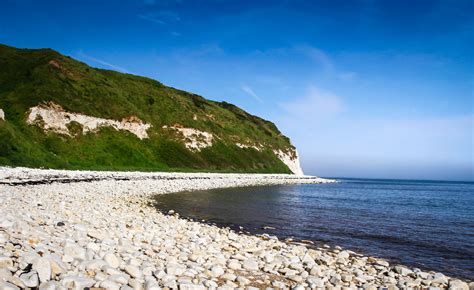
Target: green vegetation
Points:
(29, 77)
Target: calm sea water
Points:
(424, 224)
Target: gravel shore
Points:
(83, 229)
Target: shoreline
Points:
(206, 213)
(81, 229)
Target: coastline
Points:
(98, 229)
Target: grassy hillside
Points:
(29, 77)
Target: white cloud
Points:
(250, 91)
(319, 57)
(347, 76)
(102, 62)
(194, 54)
(162, 17)
(151, 18)
(316, 104)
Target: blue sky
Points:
(379, 89)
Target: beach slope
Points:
(80, 229)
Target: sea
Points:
(423, 224)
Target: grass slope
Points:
(29, 77)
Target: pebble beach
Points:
(89, 229)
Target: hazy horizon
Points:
(372, 89)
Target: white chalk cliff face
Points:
(290, 160)
(194, 139)
(258, 147)
(52, 117)
(2, 115)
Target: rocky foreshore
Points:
(83, 229)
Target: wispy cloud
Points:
(151, 18)
(347, 76)
(250, 91)
(191, 54)
(164, 17)
(319, 60)
(318, 56)
(161, 2)
(316, 104)
(102, 62)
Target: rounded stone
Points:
(42, 266)
(217, 271)
(5, 262)
(343, 255)
(133, 271)
(30, 279)
(250, 265)
(112, 260)
(8, 286)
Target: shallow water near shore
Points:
(424, 224)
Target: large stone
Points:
(99, 235)
(229, 277)
(456, 284)
(216, 271)
(119, 278)
(250, 265)
(336, 279)
(133, 271)
(403, 270)
(315, 282)
(315, 271)
(57, 267)
(423, 275)
(75, 251)
(17, 282)
(77, 282)
(51, 285)
(8, 286)
(234, 265)
(5, 275)
(440, 278)
(95, 265)
(152, 285)
(343, 255)
(243, 280)
(346, 277)
(136, 284)
(382, 263)
(112, 260)
(175, 269)
(5, 222)
(189, 286)
(42, 265)
(6, 262)
(295, 278)
(110, 285)
(4, 237)
(30, 279)
(279, 284)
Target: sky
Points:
(378, 89)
